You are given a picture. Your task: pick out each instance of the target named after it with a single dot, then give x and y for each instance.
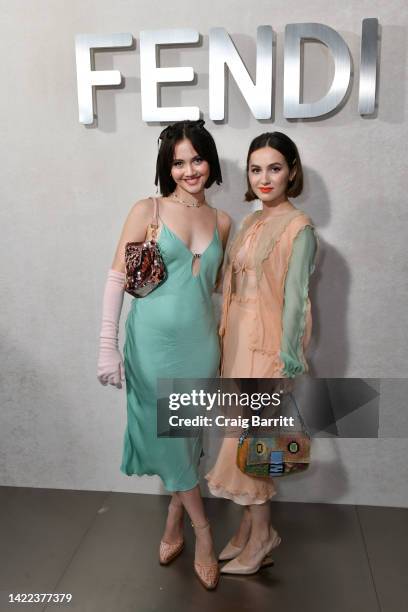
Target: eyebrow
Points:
(269, 165)
(181, 159)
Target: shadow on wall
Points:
(325, 481)
(230, 195)
(329, 288)
(330, 480)
(392, 84)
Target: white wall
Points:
(66, 189)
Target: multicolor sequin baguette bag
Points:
(145, 268)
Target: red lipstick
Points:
(266, 189)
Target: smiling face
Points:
(269, 175)
(189, 170)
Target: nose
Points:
(265, 178)
(189, 169)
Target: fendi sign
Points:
(223, 54)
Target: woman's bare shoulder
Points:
(224, 225)
(138, 219)
(142, 209)
(134, 230)
(224, 220)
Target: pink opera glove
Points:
(110, 364)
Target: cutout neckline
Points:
(215, 232)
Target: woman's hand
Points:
(110, 368)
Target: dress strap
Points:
(216, 221)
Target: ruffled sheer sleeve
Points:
(301, 266)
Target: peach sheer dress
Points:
(225, 479)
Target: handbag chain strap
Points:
(154, 224)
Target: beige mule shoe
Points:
(236, 567)
(230, 552)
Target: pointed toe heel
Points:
(168, 552)
(208, 574)
(236, 567)
(230, 552)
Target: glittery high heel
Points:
(207, 573)
(168, 552)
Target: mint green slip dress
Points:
(170, 333)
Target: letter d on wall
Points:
(294, 34)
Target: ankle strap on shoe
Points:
(207, 524)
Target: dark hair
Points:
(202, 142)
(285, 146)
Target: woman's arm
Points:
(224, 228)
(134, 230)
(301, 266)
(110, 367)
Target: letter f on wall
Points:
(87, 78)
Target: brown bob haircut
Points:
(285, 146)
(202, 142)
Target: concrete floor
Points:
(102, 548)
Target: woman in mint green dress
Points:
(172, 332)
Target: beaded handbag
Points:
(279, 455)
(145, 269)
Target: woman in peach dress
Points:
(265, 325)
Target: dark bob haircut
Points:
(202, 142)
(285, 146)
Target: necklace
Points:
(194, 204)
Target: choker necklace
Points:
(194, 204)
